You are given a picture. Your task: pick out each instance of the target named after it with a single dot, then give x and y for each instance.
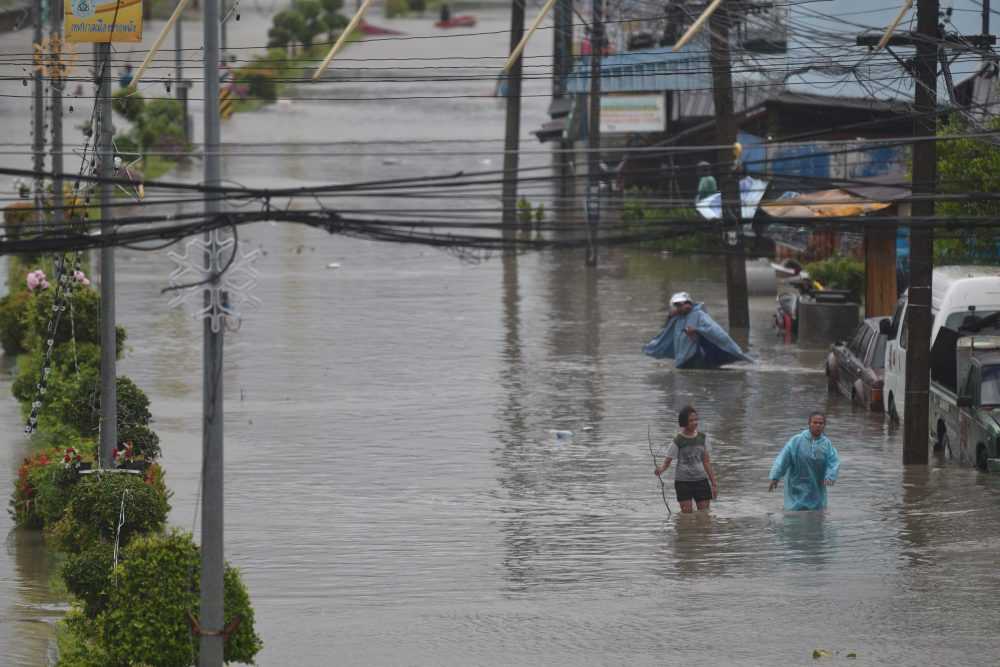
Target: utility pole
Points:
(182, 86)
(562, 60)
(921, 238)
(224, 14)
(512, 132)
(594, 132)
(56, 78)
(722, 89)
(212, 613)
(109, 343)
(38, 134)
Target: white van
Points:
(957, 293)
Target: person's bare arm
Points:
(711, 474)
(660, 469)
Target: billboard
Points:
(94, 21)
(633, 113)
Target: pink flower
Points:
(81, 278)
(36, 280)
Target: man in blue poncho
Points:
(809, 463)
(692, 338)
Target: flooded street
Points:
(395, 494)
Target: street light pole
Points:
(109, 342)
(212, 613)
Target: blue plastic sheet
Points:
(710, 348)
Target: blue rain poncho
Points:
(711, 348)
(805, 462)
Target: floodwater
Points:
(395, 494)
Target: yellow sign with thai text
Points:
(93, 21)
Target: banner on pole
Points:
(94, 21)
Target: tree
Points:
(312, 21)
(968, 165)
(285, 28)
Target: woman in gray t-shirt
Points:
(694, 479)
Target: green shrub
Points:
(81, 319)
(147, 618)
(78, 643)
(395, 8)
(93, 512)
(840, 272)
(13, 311)
(127, 145)
(53, 485)
(162, 126)
(260, 82)
(23, 506)
(16, 215)
(88, 575)
(129, 104)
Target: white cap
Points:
(680, 297)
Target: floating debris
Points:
(820, 653)
(333, 265)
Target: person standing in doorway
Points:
(694, 480)
(809, 463)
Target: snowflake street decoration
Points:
(229, 292)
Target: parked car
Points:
(856, 367)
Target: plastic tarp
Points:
(823, 204)
(751, 192)
(710, 348)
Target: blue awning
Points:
(649, 70)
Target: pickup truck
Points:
(964, 422)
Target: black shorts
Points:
(699, 490)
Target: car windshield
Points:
(974, 321)
(990, 388)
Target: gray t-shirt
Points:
(689, 455)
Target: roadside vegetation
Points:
(638, 215)
(968, 165)
(133, 582)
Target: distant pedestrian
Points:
(694, 479)
(706, 182)
(809, 464)
(126, 76)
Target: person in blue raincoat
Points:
(692, 338)
(809, 464)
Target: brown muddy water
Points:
(396, 494)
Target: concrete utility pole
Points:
(109, 343)
(594, 132)
(38, 134)
(56, 81)
(722, 89)
(562, 61)
(512, 134)
(179, 82)
(212, 614)
(921, 238)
